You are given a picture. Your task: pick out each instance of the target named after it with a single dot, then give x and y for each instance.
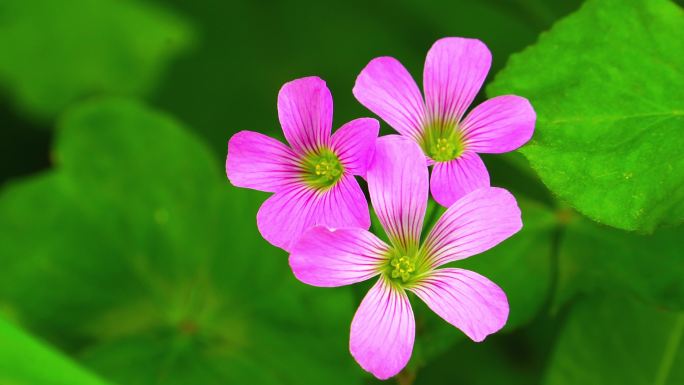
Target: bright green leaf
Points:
(136, 255)
(619, 341)
(54, 52)
(608, 89)
(26, 361)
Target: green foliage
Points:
(287, 39)
(136, 260)
(55, 369)
(596, 258)
(54, 52)
(607, 86)
(150, 269)
(613, 340)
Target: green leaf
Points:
(54, 368)
(54, 52)
(618, 341)
(596, 258)
(607, 86)
(151, 268)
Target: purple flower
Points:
(455, 69)
(313, 181)
(383, 329)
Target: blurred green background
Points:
(127, 258)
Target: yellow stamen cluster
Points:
(328, 170)
(403, 267)
(442, 149)
(442, 141)
(321, 169)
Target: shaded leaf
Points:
(54, 52)
(143, 250)
(595, 258)
(614, 340)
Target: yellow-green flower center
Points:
(322, 169)
(403, 267)
(442, 141)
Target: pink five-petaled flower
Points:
(313, 181)
(455, 69)
(383, 328)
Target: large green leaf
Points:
(608, 89)
(595, 258)
(619, 341)
(54, 52)
(137, 256)
(45, 366)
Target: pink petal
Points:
(284, 217)
(344, 205)
(498, 125)
(259, 162)
(455, 69)
(383, 331)
(328, 258)
(475, 223)
(454, 179)
(386, 88)
(305, 110)
(466, 300)
(398, 186)
(354, 143)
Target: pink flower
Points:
(313, 180)
(455, 69)
(383, 328)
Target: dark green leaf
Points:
(54, 52)
(150, 266)
(597, 258)
(619, 341)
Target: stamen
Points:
(403, 267)
(321, 169)
(442, 141)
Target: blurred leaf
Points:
(487, 363)
(334, 40)
(54, 52)
(607, 86)
(20, 354)
(521, 266)
(150, 266)
(619, 341)
(597, 258)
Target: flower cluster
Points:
(319, 213)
